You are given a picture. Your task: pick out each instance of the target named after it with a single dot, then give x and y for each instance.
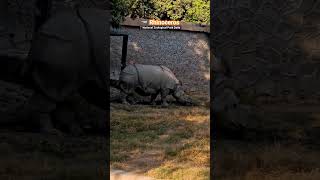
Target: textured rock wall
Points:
(185, 53)
(271, 47)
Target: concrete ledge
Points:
(137, 22)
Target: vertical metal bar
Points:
(124, 51)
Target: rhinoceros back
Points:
(170, 74)
(60, 54)
(97, 25)
(61, 30)
(150, 76)
(54, 63)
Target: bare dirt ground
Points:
(280, 145)
(123, 175)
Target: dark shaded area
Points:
(81, 156)
(98, 98)
(51, 157)
(3, 13)
(271, 52)
(11, 70)
(44, 7)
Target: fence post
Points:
(124, 51)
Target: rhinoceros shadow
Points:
(158, 103)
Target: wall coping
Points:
(185, 26)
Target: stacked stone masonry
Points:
(186, 53)
(272, 47)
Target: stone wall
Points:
(272, 48)
(186, 53)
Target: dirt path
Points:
(123, 175)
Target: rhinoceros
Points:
(69, 50)
(150, 80)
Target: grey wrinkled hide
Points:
(224, 96)
(60, 54)
(69, 50)
(149, 80)
(149, 77)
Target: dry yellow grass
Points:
(238, 160)
(285, 175)
(164, 143)
(283, 146)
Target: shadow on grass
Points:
(280, 143)
(36, 156)
(170, 142)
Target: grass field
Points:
(164, 143)
(266, 161)
(284, 147)
(27, 155)
(32, 156)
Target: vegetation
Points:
(195, 11)
(28, 156)
(281, 144)
(164, 143)
(241, 160)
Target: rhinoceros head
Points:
(182, 97)
(179, 92)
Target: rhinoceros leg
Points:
(65, 118)
(40, 109)
(164, 94)
(126, 91)
(83, 116)
(153, 98)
